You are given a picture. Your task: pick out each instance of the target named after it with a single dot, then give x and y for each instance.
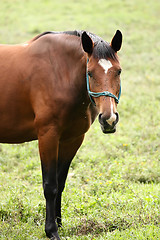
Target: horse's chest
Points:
(78, 124)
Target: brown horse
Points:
(52, 88)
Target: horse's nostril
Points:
(102, 119)
(100, 116)
(117, 117)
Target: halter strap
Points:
(98, 94)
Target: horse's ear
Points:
(87, 43)
(117, 41)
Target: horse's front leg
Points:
(48, 147)
(67, 151)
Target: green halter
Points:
(98, 94)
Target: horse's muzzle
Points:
(105, 126)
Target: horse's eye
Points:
(119, 72)
(90, 74)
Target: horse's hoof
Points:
(55, 236)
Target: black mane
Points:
(102, 49)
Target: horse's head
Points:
(103, 77)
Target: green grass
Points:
(113, 187)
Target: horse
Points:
(52, 88)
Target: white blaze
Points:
(105, 64)
(113, 115)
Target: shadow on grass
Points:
(94, 227)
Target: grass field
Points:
(113, 187)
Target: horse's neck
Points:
(69, 46)
(67, 51)
(69, 67)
